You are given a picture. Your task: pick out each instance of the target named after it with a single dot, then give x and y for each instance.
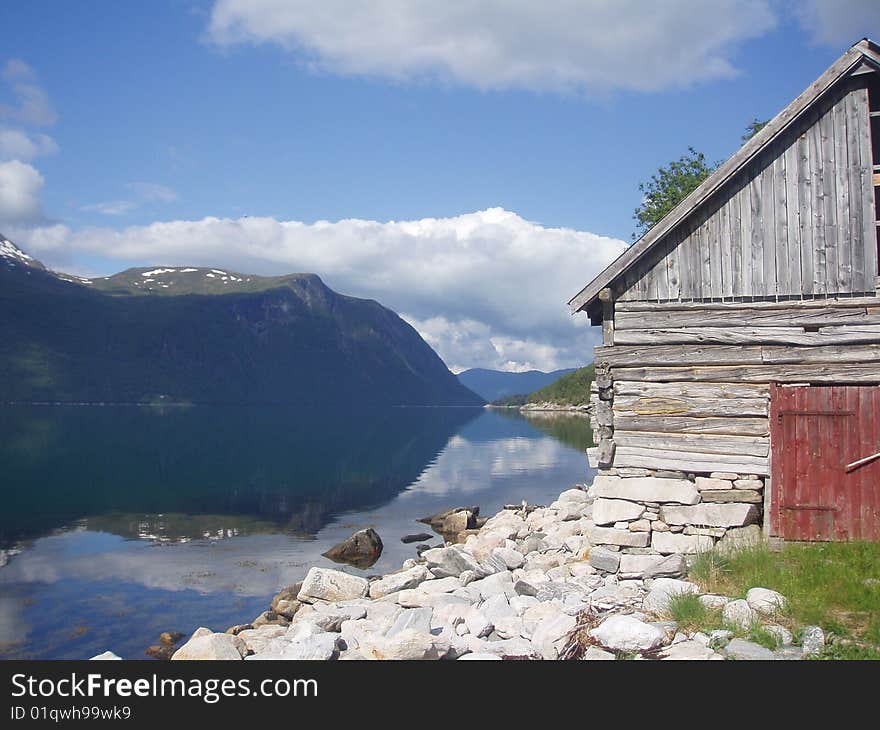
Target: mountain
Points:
(495, 384)
(191, 334)
(572, 389)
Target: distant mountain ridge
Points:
(495, 384)
(195, 334)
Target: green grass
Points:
(832, 585)
(690, 615)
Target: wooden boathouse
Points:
(741, 337)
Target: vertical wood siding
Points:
(797, 223)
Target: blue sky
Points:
(146, 121)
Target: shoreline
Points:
(527, 584)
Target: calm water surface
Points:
(133, 521)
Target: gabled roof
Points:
(864, 53)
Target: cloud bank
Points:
(555, 45)
(485, 289)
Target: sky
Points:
(470, 164)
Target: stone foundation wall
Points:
(646, 512)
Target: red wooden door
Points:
(816, 433)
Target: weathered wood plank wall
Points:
(688, 385)
(798, 222)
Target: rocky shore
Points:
(527, 583)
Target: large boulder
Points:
(451, 561)
(362, 549)
(663, 590)
(765, 601)
(285, 602)
(609, 511)
(211, 646)
(394, 582)
(623, 632)
(747, 651)
(646, 489)
(739, 613)
(715, 514)
(319, 647)
(612, 536)
(651, 566)
(405, 644)
(323, 584)
(604, 559)
(667, 543)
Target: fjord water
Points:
(132, 521)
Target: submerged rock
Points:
(361, 549)
(416, 537)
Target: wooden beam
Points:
(793, 316)
(841, 334)
(700, 443)
(691, 425)
(691, 390)
(630, 456)
(805, 373)
(697, 355)
(684, 406)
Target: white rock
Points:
(323, 584)
(670, 542)
(662, 590)
(604, 559)
(417, 598)
(512, 558)
(713, 601)
(780, 633)
(570, 511)
(646, 489)
(551, 633)
(704, 483)
(739, 613)
(621, 632)
(440, 585)
(610, 536)
(753, 484)
(689, 650)
(609, 511)
(594, 653)
(451, 562)
(398, 581)
(478, 624)
(476, 657)
(650, 566)
(105, 656)
(812, 640)
(710, 514)
(212, 647)
(418, 619)
(407, 644)
(494, 584)
(320, 647)
(765, 601)
(509, 627)
(578, 496)
(747, 651)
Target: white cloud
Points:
(111, 207)
(492, 44)
(142, 193)
(32, 104)
(18, 145)
(485, 289)
(836, 22)
(148, 192)
(20, 186)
